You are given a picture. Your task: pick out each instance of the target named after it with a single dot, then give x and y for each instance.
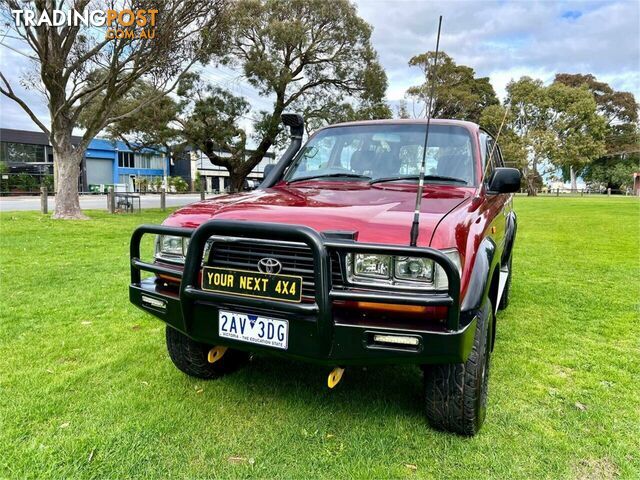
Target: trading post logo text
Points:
(125, 23)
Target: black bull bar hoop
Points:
(320, 245)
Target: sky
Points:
(503, 40)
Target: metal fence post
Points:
(163, 198)
(111, 200)
(202, 184)
(557, 192)
(44, 199)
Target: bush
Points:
(23, 182)
(178, 185)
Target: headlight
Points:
(414, 268)
(170, 245)
(375, 266)
(174, 249)
(170, 248)
(415, 272)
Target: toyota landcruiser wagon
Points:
(318, 263)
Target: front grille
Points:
(296, 259)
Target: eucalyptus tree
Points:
(311, 56)
(80, 66)
(458, 93)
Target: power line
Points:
(18, 51)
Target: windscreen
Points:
(386, 152)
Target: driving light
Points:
(396, 340)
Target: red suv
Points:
(318, 263)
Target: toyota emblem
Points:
(269, 265)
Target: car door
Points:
(497, 206)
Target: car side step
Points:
(502, 282)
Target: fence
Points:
(581, 192)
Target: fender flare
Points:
(483, 268)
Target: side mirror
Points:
(504, 180)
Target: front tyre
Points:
(190, 357)
(456, 394)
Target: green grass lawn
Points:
(87, 389)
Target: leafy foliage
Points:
(81, 68)
(309, 56)
(458, 92)
(620, 113)
(555, 125)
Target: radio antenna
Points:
(416, 214)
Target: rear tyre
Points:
(456, 394)
(504, 301)
(190, 357)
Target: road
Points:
(93, 202)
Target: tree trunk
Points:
(532, 175)
(236, 180)
(67, 160)
(574, 182)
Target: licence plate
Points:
(250, 328)
(287, 288)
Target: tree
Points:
(614, 172)
(511, 145)
(458, 92)
(552, 125)
(580, 131)
(307, 55)
(79, 69)
(613, 106)
(620, 113)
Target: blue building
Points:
(105, 163)
(109, 162)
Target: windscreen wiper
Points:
(329, 175)
(417, 177)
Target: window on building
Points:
(126, 159)
(149, 160)
(11, 152)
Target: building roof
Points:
(31, 138)
(40, 138)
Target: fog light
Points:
(397, 340)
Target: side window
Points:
(492, 155)
(499, 160)
(490, 159)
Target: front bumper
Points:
(315, 334)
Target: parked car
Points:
(316, 264)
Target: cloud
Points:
(501, 40)
(507, 40)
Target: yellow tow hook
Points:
(334, 377)
(216, 353)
